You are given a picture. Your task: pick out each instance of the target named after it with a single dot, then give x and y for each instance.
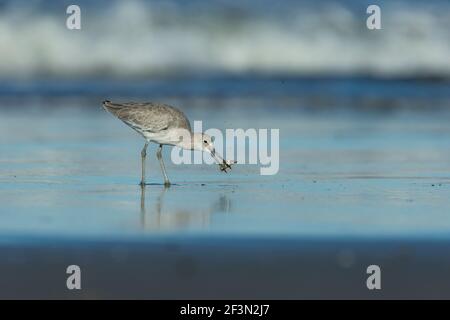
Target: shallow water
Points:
(364, 179)
(364, 150)
(74, 172)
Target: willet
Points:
(164, 125)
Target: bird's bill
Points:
(217, 156)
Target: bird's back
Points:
(148, 117)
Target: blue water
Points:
(354, 169)
(364, 118)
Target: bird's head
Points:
(204, 142)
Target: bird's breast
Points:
(163, 137)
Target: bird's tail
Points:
(111, 106)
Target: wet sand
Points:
(186, 267)
(352, 190)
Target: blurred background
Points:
(311, 54)
(364, 119)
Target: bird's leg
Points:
(163, 168)
(143, 155)
(143, 213)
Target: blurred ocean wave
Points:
(174, 38)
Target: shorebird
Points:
(164, 125)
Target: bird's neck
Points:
(185, 139)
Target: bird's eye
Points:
(205, 141)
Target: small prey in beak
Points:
(223, 164)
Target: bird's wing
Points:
(150, 117)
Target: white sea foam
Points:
(136, 38)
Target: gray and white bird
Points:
(164, 125)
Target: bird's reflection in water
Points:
(188, 215)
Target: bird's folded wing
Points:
(150, 117)
(145, 121)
